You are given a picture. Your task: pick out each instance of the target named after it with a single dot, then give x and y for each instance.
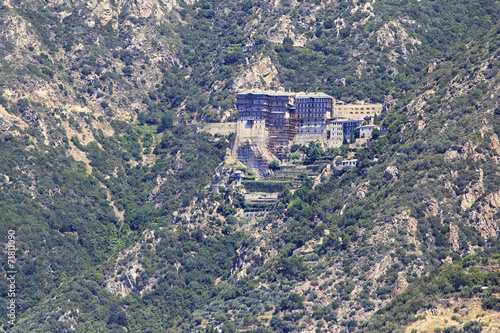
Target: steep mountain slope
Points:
(90, 159)
(111, 57)
(340, 251)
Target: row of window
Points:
(314, 99)
(311, 131)
(310, 115)
(311, 110)
(311, 105)
(251, 118)
(306, 125)
(355, 108)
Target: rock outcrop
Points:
(391, 172)
(259, 74)
(252, 156)
(393, 33)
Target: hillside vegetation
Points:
(107, 182)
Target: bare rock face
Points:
(401, 284)
(484, 218)
(361, 193)
(4, 123)
(407, 221)
(30, 117)
(325, 174)
(380, 267)
(495, 143)
(5, 119)
(285, 28)
(387, 37)
(253, 157)
(122, 278)
(123, 287)
(391, 172)
(454, 237)
(15, 31)
(433, 65)
(246, 256)
(102, 10)
(389, 101)
(419, 103)
(473, 193)
(432, 207)
(260, 74)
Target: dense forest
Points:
(110, 185)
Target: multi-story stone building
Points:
(264, 117)
(312, 113)
(269, 122)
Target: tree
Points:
(167, 121)
(285, 196)
(274, 165)
(294, 301)
(288, 44)
(294, 148)
(127, 71)
(119, 317)
(229, 327)
(141, 118)
(314, 152)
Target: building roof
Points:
(346, 120)
(265, 92)
(312, 95)
(284, 93)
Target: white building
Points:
(365, 131)
(349, 163)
